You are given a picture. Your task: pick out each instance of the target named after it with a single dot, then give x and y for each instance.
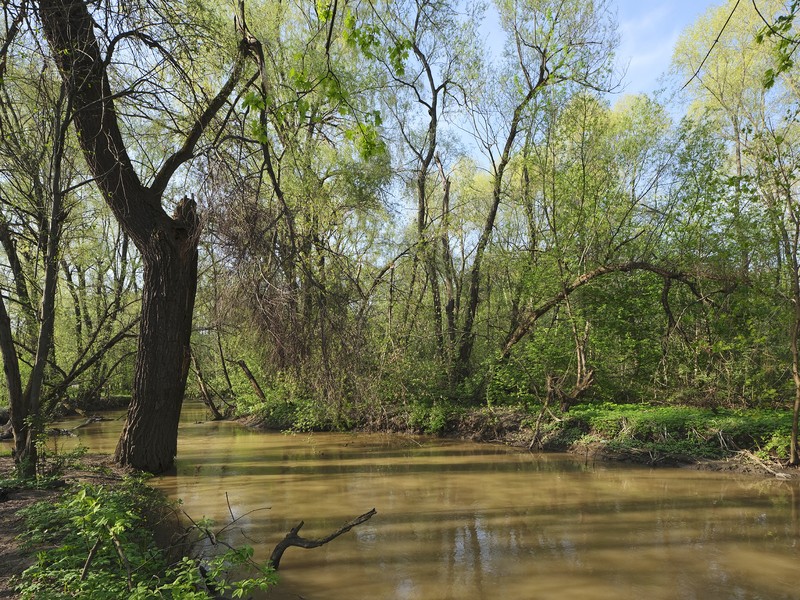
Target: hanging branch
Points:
(292, 539)
(716, 41)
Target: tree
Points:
(167, 243)
(39, 183)
(432, 64)
(780, 30)
(551, 43)
(41, 173)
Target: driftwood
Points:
(206, 395)
(292, 539)
(89, 421)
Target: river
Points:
(466, 521)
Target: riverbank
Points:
(93, 530)
(750, 441)
(739, 442)
(15, 557)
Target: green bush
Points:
(434, 418)
(99, 545)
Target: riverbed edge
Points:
(96, 469)
(741, 453)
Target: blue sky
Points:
(648, 31)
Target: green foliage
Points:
(288, 406)
(365, 136)
(364, 36)
(91, 522)
(436, 418)
(98, 544)
(785, 42)
(682, 432)
(52, 465)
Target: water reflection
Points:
(465, 521)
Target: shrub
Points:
(99, 545)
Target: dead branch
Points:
(761, 463)
(253, 381)
(126, 563)
(292, 539)
(90, 559)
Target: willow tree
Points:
(146, 51)
(296, 203)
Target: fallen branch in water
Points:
(292, 539)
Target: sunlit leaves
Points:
(361, 35)
(785, 40)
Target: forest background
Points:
(375, 222)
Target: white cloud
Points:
(648, 32)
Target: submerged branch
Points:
(292, 539)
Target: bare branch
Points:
(292, 539)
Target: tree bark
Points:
(149, 439)
(18, 413)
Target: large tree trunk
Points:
(149, 439)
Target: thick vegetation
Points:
(374, 219)
(120, 539)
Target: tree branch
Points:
(528, 321)
(292, 539)
(186, 152)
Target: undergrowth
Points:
(681, 432)
(98, 543)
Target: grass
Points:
(680, 432)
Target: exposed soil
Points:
(98, 469)
(740, 463)
(14, 560)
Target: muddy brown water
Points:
(467, 521)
